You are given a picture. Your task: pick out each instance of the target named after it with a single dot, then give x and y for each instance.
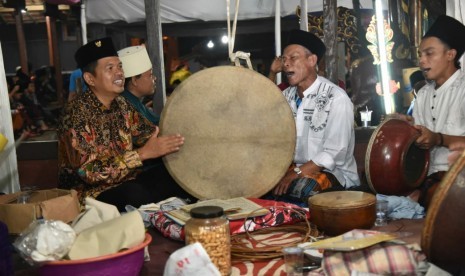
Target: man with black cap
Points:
(324, 122)
(439, 110)
(103, 140)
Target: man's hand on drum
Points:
(427, 138)
(159, 146)
(284, 183)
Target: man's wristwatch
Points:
(297, 171)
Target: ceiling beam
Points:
(31, 8)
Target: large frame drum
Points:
(443, 236)
(239, 133)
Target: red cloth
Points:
(280, 213)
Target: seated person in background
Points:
(45, 85)
(324, 123)
(439, 110)
(417, 81)
(103, 140)
(35, 111)
(140, 81)
(77, 85)
(180, 74)
(20, 118)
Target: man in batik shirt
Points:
(103, 140)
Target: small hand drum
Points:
(393, 163)
(338, 212)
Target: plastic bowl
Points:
(124, 263)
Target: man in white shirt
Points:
(324, 122)
(439, 111)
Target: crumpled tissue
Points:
(190, 260)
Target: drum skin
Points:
(394, 165)
(239, 133)
(338, 212)
(443, 235)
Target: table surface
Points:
(161, 247)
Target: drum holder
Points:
(234, 57)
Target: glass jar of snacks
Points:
(209, 227)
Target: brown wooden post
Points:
(54, 56)
(330, 38)
(416, 30)
(154, 46)
(21, 42)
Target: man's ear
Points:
(89, 78)
(313, 59)
(134, 81)
(451, 53)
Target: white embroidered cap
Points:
(135, 60)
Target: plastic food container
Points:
(209, 227)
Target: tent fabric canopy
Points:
(130, 11)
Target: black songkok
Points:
(308, 40)
(449, 31)
(95, 50)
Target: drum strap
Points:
(235, 57)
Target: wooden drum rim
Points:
(439, 196)
(364, 199)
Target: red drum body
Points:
(394, 164)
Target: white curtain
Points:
(9, 180)
(99, 11)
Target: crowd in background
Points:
(30, 97)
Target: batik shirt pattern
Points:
(97, 144)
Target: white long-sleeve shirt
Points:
(442, 110)
(325, 129)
